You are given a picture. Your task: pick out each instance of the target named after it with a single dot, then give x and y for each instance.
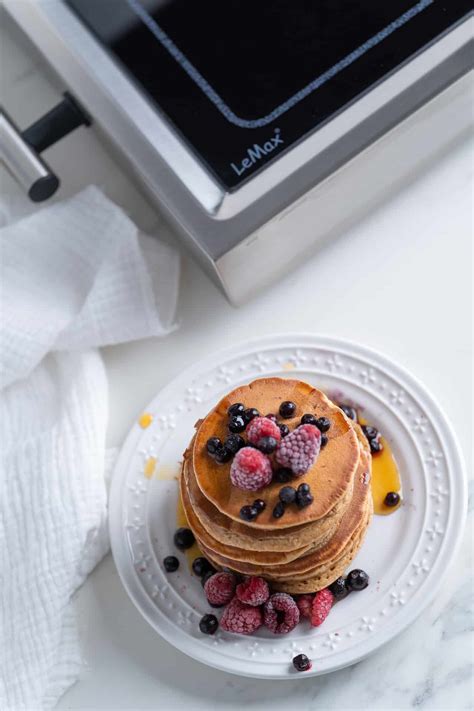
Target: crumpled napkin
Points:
(73, 276)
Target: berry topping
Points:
(233, 443)
(223, 455)
(309, 419)
(375, 446)
(349, 411)
(183, 538)
(287, 494)
(171, 563)
(321, 608)
(304, 496)
(323, 424)
(301, 663)
(324, 440)
(304, 603)
(357, 580)
(370, 432)
(241, 618)
(280, 613)
(279, 510)
(237, 423)
(220, 588)
(250, 470)
(201, 566)
(213, 444)
(208, 624)
(248, 513)
(206, 576)
(267, 445)
(259, 504)
(392, 499)
(272, 417)
(284, 430)
(253, 591)
(339, 589)
(299, 450)
(287, 409)
(283, 475)
(250, 413)
(261, 427)
(236, 409)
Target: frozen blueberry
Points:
(287, 494)
(279, 510)
(236, 424)
(250, 413)
(259, 504)
(309, 419)
(236, 409)
(267, 445)
(248, 513)
(233, 443)
(171, 563)
(201, 566)
(301, 663)
(375, 446)
(370, 432)
(323, 424)
(183, 538)
(339, 589)
(287, 409)
(223, 455)
(392, 499)
(208, 624)
(206, 576)
(271, 417)
(324, 440)
(213, 444)
(284, 429)
(357, 580)
(349, 411)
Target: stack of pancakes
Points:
(306, 549)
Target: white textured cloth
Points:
(73, 277)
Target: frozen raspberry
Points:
(240, 618)
(250, 469)
(304, 603)
(262, 427)
(322, 604)
(280, 613)
(298, 451)
(220, 588)
(253, 591)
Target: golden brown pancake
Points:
(238, 534)
(231, 552)
(330, 477)
(351, 523)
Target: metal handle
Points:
(24, 163)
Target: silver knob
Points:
(24, 163)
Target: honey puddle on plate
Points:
(385, 478)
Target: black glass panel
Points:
(243, 80)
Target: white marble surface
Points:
(411, 299)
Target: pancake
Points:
(330, 477)
(237, 534)
(300, 567)
(231, 552)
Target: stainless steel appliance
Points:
(262, 129)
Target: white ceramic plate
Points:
(405, 554)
